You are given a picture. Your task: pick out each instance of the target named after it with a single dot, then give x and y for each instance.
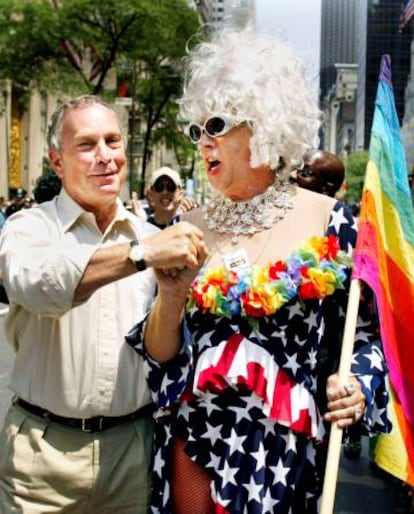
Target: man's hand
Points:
(187, 204)
(176, 247)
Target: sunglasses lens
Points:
(305, 172)
(194, 131)
(215, 126)
(159, 187)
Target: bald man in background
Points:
(322, 172)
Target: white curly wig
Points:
(256, 79)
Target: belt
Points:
(95, 424)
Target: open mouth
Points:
(213, 165)
(165, 202)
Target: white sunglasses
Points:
(215, 126)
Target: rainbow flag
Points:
(384, 259)
(391, 452)
(407, 12)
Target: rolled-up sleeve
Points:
(41, 263)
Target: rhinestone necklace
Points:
(226, 216)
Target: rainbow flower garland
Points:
(315, 270)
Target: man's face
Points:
(91, 160)
(165, 197)
(309, 178)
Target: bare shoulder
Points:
(311, 210)
(195, 217)
(304, 198)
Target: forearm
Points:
(105, 266)
(163, 329)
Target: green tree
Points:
(355, 165)
(85, 46)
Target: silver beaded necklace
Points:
(226, 216)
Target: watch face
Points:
(136, 253)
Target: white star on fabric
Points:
(158, 463)
(294, 310)
(280, 334)
(366, 380)
(268, 502)
(311, 321)
(338, 219)
(375, 360)
(290, 441)
(280, 472)
(292, 362)
(361, 335)
(300, 342)
(204, 341)
(252, 401)
(236, 442)
(269, 425)
(185, 411)
(241, 413)
(228, 474)
(259, 456)
(376, 416)
(321, 330)
(253, 490)
(212, 433)
(214, 461)
(311, 455)
(165, 384)
(312, 359)
(354, 225)
(184, 370)
(208, 403)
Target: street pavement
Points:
(359, 490)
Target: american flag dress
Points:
(248, 401)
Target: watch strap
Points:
(140, 264)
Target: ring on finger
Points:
(350, 389)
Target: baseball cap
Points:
(165, 171)
(20, 193)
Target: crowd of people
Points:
(175, 345)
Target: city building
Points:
(354, 36)
(226, 12)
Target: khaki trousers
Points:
(48, 468)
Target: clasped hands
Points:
(346, 402)
(177, 250)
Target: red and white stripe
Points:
(239, 362)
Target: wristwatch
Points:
(136, 255)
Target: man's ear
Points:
(56, 162)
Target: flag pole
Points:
(335, 438)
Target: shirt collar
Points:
(70, 211)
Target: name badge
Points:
(236, 260)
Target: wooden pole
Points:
(335, 438)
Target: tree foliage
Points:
(87, 46)
(355, 164)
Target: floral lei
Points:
(315, 270)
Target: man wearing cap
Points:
(164, 196)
